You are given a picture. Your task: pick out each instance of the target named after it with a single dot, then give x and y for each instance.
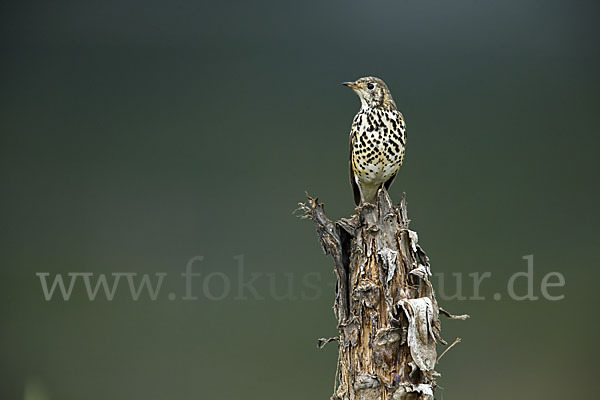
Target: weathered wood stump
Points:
(388, 317)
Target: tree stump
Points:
(388, 317)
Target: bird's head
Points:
(373, 92)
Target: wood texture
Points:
(388, 317)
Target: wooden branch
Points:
(388, 317)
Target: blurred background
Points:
(136, 135)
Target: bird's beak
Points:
(351, 85)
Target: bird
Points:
(377, 139)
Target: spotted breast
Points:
(378, 141)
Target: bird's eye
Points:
(370, 86)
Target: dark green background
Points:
(138, 134)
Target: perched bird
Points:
(377, 139)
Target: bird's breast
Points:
(378, 146)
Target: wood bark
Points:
(387, 313)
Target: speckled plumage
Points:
(377, 139)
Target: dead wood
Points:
(388, 317)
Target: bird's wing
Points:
(388, 183)
(402, 127)
(355, 188)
